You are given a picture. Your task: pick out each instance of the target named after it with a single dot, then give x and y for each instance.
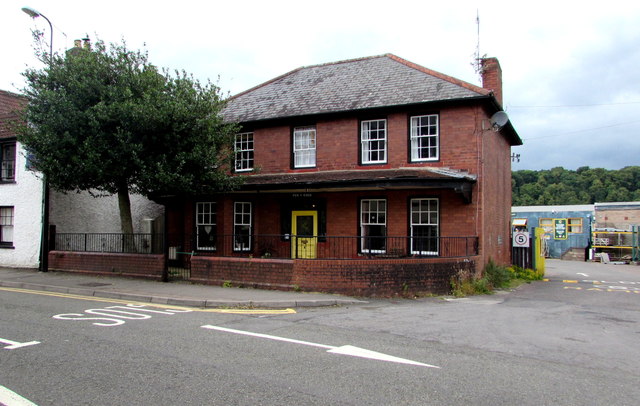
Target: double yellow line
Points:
(159, 305)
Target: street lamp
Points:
(44, 235)
(35, 14)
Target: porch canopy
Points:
(370, 179)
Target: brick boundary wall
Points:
(133, 265)
(375, 277)
(247, 272)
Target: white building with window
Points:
(20, 194)
(21, 201)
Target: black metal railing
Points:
(109, 243)
(270, 246)
(323, 247)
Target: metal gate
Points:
(179, 264)
(531, 257)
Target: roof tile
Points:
(378, 81)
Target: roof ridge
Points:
(305, 67)
(439, 75)
(263, 84)
(345, 61)
(13, 94)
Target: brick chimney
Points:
(492, 77)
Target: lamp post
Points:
(44, 237)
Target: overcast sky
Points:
(571, 69)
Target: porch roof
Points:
(368, 179)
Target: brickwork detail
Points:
(133, 265)
(383, 277)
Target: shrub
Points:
(496, 275)
(525, 274)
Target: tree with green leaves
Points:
(107, 121)
(559, 186)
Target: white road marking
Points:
(583, 274)
(117, 313)
(10, 398)
(343, 350)
(12, 345)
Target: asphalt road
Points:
(572, 340)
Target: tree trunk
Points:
(124, 204)
(126, 223)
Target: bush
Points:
(525, 274)
(494, 277)
(497, 276)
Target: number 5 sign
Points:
(521, 239)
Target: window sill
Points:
(7, 247)
(420, 161)
(7, 182)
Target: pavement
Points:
(179, 293)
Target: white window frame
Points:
(7, 216)
(372, 217)
(304, 147)
(8, 161)
(244, 152)
(425, 129)
(206, 216)
(429, 218)
(242, 217)
(372, 136)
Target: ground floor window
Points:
(206, 228)
(424, 226)
(6, 226)
(574, 225)
(242, 226)
(373, 225)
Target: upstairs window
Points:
(373, 136)
(6, 226)
(244, 152)
(7, 161)
(206, 226)
(304, 147)
(424, 135)
(373, 226)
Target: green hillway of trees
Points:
(559, 186)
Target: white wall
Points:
(83, 213)
(26, 198)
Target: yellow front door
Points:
(304, 231)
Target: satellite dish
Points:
(498, 120)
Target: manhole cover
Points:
(94, 284)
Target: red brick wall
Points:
(495, 198)
(376, 277)
(247, 272)
(141, 266)
(338, 142)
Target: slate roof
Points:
(10, 103)
(377, 81)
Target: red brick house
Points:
(366, 176)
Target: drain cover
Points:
(94, 284)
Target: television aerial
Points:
(498, 120)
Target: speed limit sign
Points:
(521, 239)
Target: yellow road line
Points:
(569, 281)
(163, 306)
